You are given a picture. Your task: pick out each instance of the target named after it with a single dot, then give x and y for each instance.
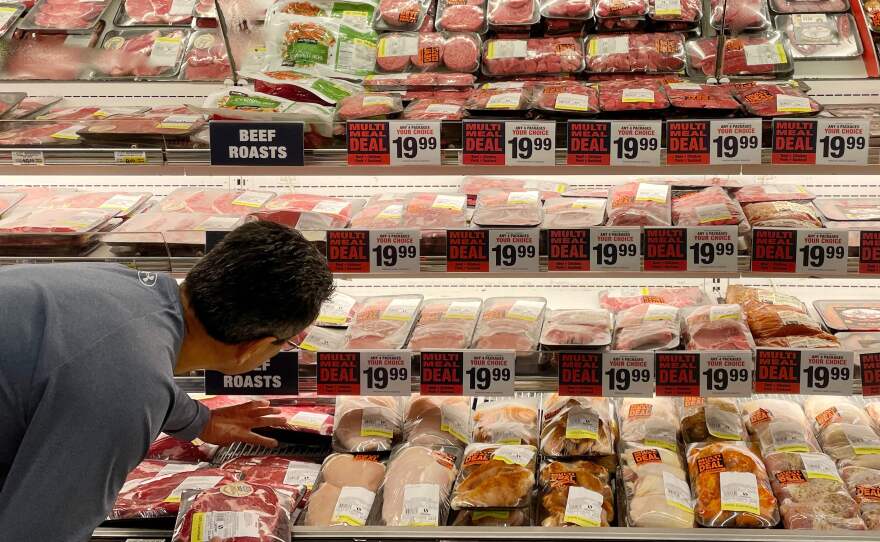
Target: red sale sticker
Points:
(568, 250)
(869, 252)
(579, 373)
(348, 251)
(483, 143)
(777, 371)
(589, 143)
(467, 251)
(441, 373)
(870, 362)
(338, 373)
(774, 251)
(687, 142)
(794, 141)
(367, 143)
(666, 249)
(678, 374)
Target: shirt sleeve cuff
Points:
(192, 430)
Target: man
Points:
(87, 357)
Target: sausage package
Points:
(820, 36)
(510, 323)
(461, 16)
(444, 421)
(345, 491)
(782, 214)
(717, 327)
(445, 323)
(713, 419)
(777, 101)
(635, 53)
(568, 98)
(532, 56)
(507, 421)
(513, 12)
(656, 488)
(708, 207)
(575, 493)
(778, 425)
(741, 15)
(650, 421)
(647, 327)
(502, 208)
(495, 476)
(705, 99)
(367, 424)
(418, 485)
(577, 427)
(638, 95)
(383, 322)
(639, 204)
(750, 55)
(457, 52)
(566, 329)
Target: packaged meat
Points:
(706, 99)
(435, 109)
(574, 328)
(647, 327)
(318, 339)
(236, 512)
(619, 299)
(367, 424)
(778, 425)
(162, 229)
(9, 15)
(717, 327)
(445, 323)
(496, 101)
(372, 106)
(214, 201)
(819, 36)
(708, 207)
(507, 421)
(857, 342)
(314, 419)
(656, 488)
(849, 315)
(356, 13)
(768, 321)
(281, 473)
(577, 427)
(740, 15)
(400, 14)
(758, 193)
(429, 210)
(614, 9)
(151, 468)
(512, 12)
(811, 493)
(745, 55)
(59, 221)
(381, 211)
(461, 16)
(160, 496)
(688, 12)
(864, 486)
(9, 100)
(713, 419)
(519, 517)
(777, 101)
(168, 448)
(626, 96)
(795, 341)
(579, 10)
(846, 209)
(50, 56)
(532, 56)
(473, 185)
(383, 322)
(511, 209)
(809, 6)
(418, 485)
(155, 13)
(141, 53)
(8, 200)
(307, 211)
(781, 214)
(510, 323)
(824, 411)
(206, 58)
(650, 422)
(31, 106)
(64, 16)
(573, 212)
(43, 134)
(854, 230)
(731, 486)
(299, 87)
(566, 99)
(575, 493)
(124, 203)
(749, 296)
(345, 491)
(428, 52)
(495, 476)
(851, 445)
(442, 421)
(639, 204)
(635, 53)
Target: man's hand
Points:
(234, 424)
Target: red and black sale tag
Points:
(483, 143)
(580, 373)
(665, 249)
(368, 143)
(339, 373)
(869, 252)
(348, 251)
(774, 251)
(441, 373)
(678, 374)
(568, 250)
(794, 141)
(589, 143)
(687, 142)
(870, 373)
(467, 251)
(777, 371)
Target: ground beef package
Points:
(640, 95)
(566, 99)
(635, 53)
(532, 56)
(513, 12)
(461, 16)
(676, 12)
(777, 101)
(370, 105)
(701, 99)
(428, 51)
(751, 55)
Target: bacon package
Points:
(578, 10)
(705, 99)
(422, 52)
(442, 421)
(764, 55)
(618, 299)
(532, 56)
(513, 12)
(708, 207)
(160, 496)
(717, 327)
(639, 204)
(647, 327)
(778, 425)
(635, 95)
(650, 421)
(740, 15)
(307, 211)
(566, 99)
(510, 323)
(577, 427)
(461, 16)
(495, 476)
(502, 208)
(819, 36)
(656, 488)
(507, 421)
(635, 53)
(575, 493)
(445, 323)
(781, 214)
(383, 322)
(777, 101)
(757, 193)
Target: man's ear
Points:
(252, 354)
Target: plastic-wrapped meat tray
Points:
(764, 55)
(576, 10)
(36, 232)
(849, 315)
(639, 204)
(854, 209)
(457, 52)
(8, 200)
(532, 56)
(307, 211)
(375, 105)
(157, 233)
(509, 209)
(628, 97)
(206, 59)
(566, 99)
(155, 12)
(141, 53)
(513, 12)
(636, 53)
(741, 15)
(757, 193)
(809, 6)
(64, 16)
(383, 322)
(461, 16)
(708, 207)
(616, 9)
(42, 134)
(214, 201)
(701, 99)
(777, 101)
(435, 109)
(573, 212)
(124, 203)
(817, 35)
(676, 12)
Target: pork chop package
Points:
(577, 10)
(811, 493)
(367, 424)
(507, 421)
(444, 421)
(639, 204)
(212, 200)
(510, 323)
(647, 327)
(708, 207)
(753, 55)
(810, 6)
(849, 209)
(864, 486)
(715, 419)
(740, 15)
(502, 13)
(495, 476)
(696, 98)
(819, 36)
(567, 329)
(368, 105)
(717, 327)
(849, 315)
(307, 211)
(778, 425)
(445, 323)
(383, 322)
(160, 496)
(782, 214)
(71, 16)
(474, 184)
(461, 16)
(757, 193)
(731, 486)
(656, 488)
(650, 421)
(502, 57)
(577, 427)
(439, 108)
(345, 491)
(141, 54)
(618, 299)
(512, 209)
(777, 101)
(433, 51)
(627, 96)
(145, 12)
(635, 53)
(206, 58)
(573, 212)
(418, 485)
(565, 99)
(575, 493)
(684, 13)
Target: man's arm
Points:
(187, 417)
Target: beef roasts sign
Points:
(278, 376)
(256, 143)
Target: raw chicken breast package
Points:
(650, 421)
(345, 491)
(577, 427)
(418, 485)
(431, 421)
(575, 493)
(495, 476)
(507, 421)
(656, 488)
(367, 424)
(778, 425)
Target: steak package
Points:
(577, 10)
(575, 493)
(647, 327)
(864, 486)
(777, 101)
(656, 488)
(371, 105)
(851, 209)
(510, 323)
(458, 16)
(782, 214)
(214, 201)
(701, 99)
(635, 95)
(418, 485)
(507, 421)
(757, 193)
(444, 421)
(206, 58)
(445, 323)
(155, 12)
(708, 207)
(577, 427)
(731, 487)
(513, 12)
(818, 36)
(532, 56)
(307, 211)
(64, 16)
(566, 99)
(650, 422)
(141, 53)
(740, 15)
(511, 209)
(618, 299)
(345, 491)
(495, 476)
(566, 329)
(367, 424)
(747, 55)
(457, 52)
(639, 204)
(383, 322)
(168, 448)
(160, 496)
(401, 15)
(717, 327)
(809, 6)
(849, 315)
(778, 425)
(634, 53)
(713, 419)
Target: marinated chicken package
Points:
(618, 299)
(160, 496)
(778, 425)
(849, 315)
(856, 209)
(577, 427)
(214, 201)
(732, 488)
(713, 419)
(495, 476)
(458, 16)
(635, 53)
(235, 512)
(457, 52)
(743, 15)
(573, 212)
(141, 54)
(650, 421)
(575, 493)
(507, 421)
(553, 55)
(574, 328)
(472, 185)
(368, 105)
(445, 323)
(572, 10)
(517, 517)
(656, 488)
(767, 321)
(777, 101)
(705, 99)
(821, 36)
(864, 486)
(444, 421)
(639, 204)
(781, 214)
(717, 327)
(764, 55)
(757, 193)
(401, 15)
(418, 485)
(383, 322)
(708, 207)
(647, 327)
(502, 208)
(510, 324)
(367, 424)
(345, 491)
(564, 99)
(625, 97)
(502, 13)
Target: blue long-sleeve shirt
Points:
(87, 354)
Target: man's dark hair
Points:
(263, 280)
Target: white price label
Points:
(386, 372)
(488, 373)
(712, 248)
(735, 141)
(726, 373)
(822, 252)
(628, 374)
(530, 143)
(842, 141)
(395, 251)
(827, 372)
(415, 143)
(615, 249)
(513, 250)
(28, 158)
(130, 157)
(635, 143)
